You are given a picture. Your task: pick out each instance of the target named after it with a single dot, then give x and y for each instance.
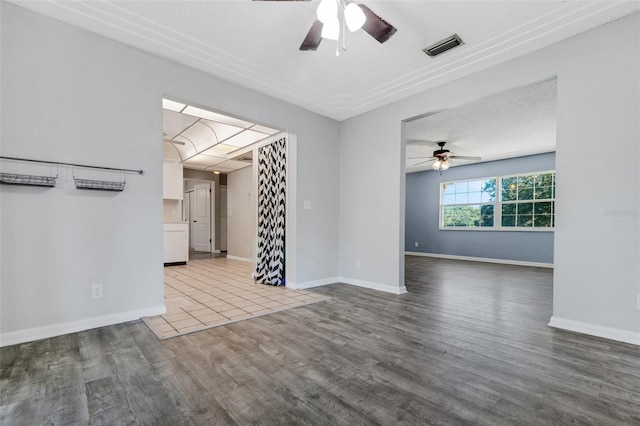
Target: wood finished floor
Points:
(467, 345)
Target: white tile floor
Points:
(212, 292)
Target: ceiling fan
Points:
(334, 15)
(441, 157)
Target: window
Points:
(468, 203)
(527, 201)
(524, 202)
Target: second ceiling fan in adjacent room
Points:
(442, 157)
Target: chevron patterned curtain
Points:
(272, 174)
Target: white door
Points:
(201, 219)
(223, 218)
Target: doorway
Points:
(211, 145)
(200, 217)
(503, 142)
(199, 213)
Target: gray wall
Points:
(71, 95)
(220, 179)
(241, 214)
(596, 275)
(422, 215)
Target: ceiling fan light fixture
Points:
(441, 165)
(335, 16)
(354, 16)
(327, 11)
(331, 29)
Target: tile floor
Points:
(208, 293)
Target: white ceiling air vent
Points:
(443, 45)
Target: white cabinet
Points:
(176, 242)
(172, 185)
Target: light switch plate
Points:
(307, 205)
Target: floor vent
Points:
(443, 45)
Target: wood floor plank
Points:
(468, 344)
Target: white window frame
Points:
(474, 228)
(497, 207)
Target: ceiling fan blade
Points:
(417, 158)
(313, 38)
(465, 157)
(422, 162)
(377, 27)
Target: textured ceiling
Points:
(255, 43)
(509, 124)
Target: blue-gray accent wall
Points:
(422, 215)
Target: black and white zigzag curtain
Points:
(272, 174)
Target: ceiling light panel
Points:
(233, 165)
(172, 105)
(187, 150)
(220, 150)
(222, 131)
(204, 160)
(174, 123)
(245, 138)
(264, 129)
(201, 135)
(213, 116)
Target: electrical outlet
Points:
(96, 291)
(358, 264)
(416, 244)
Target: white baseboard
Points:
(311, 284)
(481, 259)
(240, 259)
(374, 286)
(37, 333)
(358, 283)
(596, 330)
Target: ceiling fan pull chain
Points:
(342, 33)
(343, 30)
